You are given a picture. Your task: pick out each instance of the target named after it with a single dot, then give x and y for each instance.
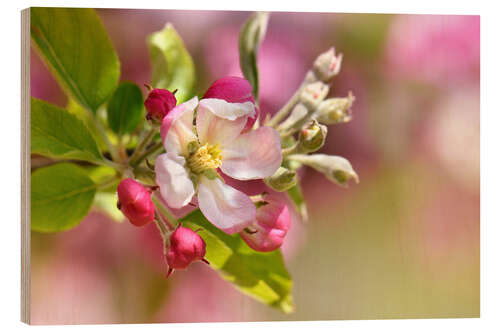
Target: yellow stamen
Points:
(204, 158)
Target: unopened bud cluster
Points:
(312, 92)
(303, 121)
(310, 101)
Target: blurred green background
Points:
(404, 243)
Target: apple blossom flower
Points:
(158, 103)
(270, 227)
(233, 89)
(195, 153)
(134, 201)
(185, 247)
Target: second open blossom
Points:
(196, 153)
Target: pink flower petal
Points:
(271, 225)
(175, 185)
(227, 110)
(228, 209)
(233, 89)
(249, 187)
(253, 155)
(177, 127)
(219, 122)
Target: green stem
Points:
(163, 232)
(102, 133)
(164, 211)
(142, 144)
(120, 147)
(109, 163)
(146, 153)
(285, 110)
(290, 150)
(107, 183)
(161, 226)
(299, 158)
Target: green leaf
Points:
(173, 67)
(61, 196)
(262, 276)
(251, 35)
(88, 119)
(78, 51)
(59, 134)
(295, 194)
(102, 175)
(125, 108)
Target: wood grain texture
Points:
(25, 167)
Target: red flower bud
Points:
(159, 103)
(270, 227)
(233, 89)
(185, 247)
(134, 200)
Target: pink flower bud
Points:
(270, 228)
(185, 247)
(233, 89)
(134, 200)
(159, 103)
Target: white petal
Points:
(177, 127)
(176, 187)
(228, 209)
(226, 110)
(253, 155)
(219, 122)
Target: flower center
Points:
(205, 157)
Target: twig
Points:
(142, 144)
(164, 211)
(102, 133)
(146, 153)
